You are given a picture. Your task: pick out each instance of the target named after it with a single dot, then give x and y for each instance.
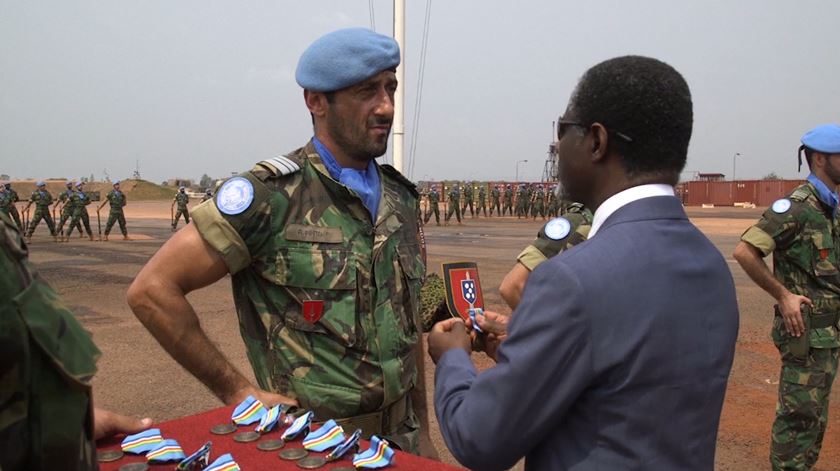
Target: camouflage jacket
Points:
(495, 194)
(14, 195)
(65, 196)
(46, 416)
(482, 193)
(468, 192)
(181, 199)
(553, 238)
(78, 201)
(804, 239)
(41, 198)
(327, 301)
(434, 197)
(5, 201)
(508, 195)
(454, 195)
(116, 199)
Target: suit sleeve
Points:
(491, 420)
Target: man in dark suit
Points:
(618, 354)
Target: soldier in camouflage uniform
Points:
(482, 200)
(553, 208)
(42, 199)
(13, 211)
(207, 195)
(521, 202)
(554, 237)
(454, 204)
(324, 249)
(508, 201)
(47, 420)
(5, 200)
(182, 199)
(117, 200)
(433, 199)
(495, 201)
(468, 200)
(803, 234)
(538, 206)
(66, 209)
(79, 201)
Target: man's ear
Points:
(599, 139)
(316, 102)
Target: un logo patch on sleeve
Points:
(558, 228)
(781, 206)
(235, 196)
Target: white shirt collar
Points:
(622, 198)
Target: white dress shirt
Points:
(616, 201)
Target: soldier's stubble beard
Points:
(356, 142)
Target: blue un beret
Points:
(345, 57)
(825, 139)
(40, 183)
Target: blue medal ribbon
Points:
(351, 443)
(269, 420)
(197, 460)
(168, 450)
(223, 463)
(142, 442)
(248, 411)
(327, 436)
(379, 455)
(300, 425)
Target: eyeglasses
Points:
(563, 125)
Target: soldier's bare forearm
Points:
(753, 264)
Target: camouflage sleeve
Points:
(232, 236)
(772, 231)
(530, 257)
(544, 247)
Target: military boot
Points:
(91, 237)
(125, 237)
(106, 238)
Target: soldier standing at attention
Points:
(117, 200)
(508, 207)
(803, 234)
(434, 200)
(521, 202)
(482, 200)
(66, 210)
(207, 195)
(495, 196)
(468, 200)
(79, 201)
(553, 208)
(454, 204)
(182, 199)
(42, 199)
(538, 206)
(323, 245)
(13, 211)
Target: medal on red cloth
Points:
(463, 290)
(313, 310)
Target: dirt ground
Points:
(137, 377)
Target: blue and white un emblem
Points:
(468, 290)
(781, 206)
(235, 196)
(558, 228)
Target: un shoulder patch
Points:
(781, 206)
(558, 228)
(235, 196)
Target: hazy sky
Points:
(192, 87)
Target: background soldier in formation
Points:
(482, 199)
(538, 205)
(508, 201)
(13, 211)
(182, 200)
(521, 202)
(495, 201)
(803, 234)
(433, 198)
(207, 195)
(468, 200)
(117, 200)
(553, 208)
(66, 209)
(454, 204)
(79, 202)
(42, 199)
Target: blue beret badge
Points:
(781, 206)
(235, 196)
(558, 228)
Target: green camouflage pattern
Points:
(46, 416)
(538, 205)
(468, 196)
(805, 260)
(181, 201)
(482, 200)
(508, 202)
(79, 201)
(454, 205)
(495, 201)
(543, 248)
(433, 198)
(42, 200)
(553, 206)
(13, 210)
(67, 210)
(5, 202)
(116, 199)
(521, 202)
(309, 240)
(433, 302)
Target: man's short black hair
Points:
(645, 100)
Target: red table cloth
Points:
(194, 431)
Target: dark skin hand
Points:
(494, 326)
(446, 335)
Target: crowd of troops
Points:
(505, 199)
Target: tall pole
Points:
(736, 154)
(399, 96)
(517, 168)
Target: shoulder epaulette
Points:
(280, 165)
(396, 175)
(800, 194)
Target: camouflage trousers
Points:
(521, 210)
(13, 212)
(80, 217)
(36, 218)
(482, 206)
(185, 212)
(66, 214)
(508, 208)
(432, 209)
(802, 409)
(468, 202)
(115, 216)
(538, 209)
(495, 206)
(455, 208)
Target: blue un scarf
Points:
(364, 182)
(828, 197)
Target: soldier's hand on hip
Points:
(791, 308)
